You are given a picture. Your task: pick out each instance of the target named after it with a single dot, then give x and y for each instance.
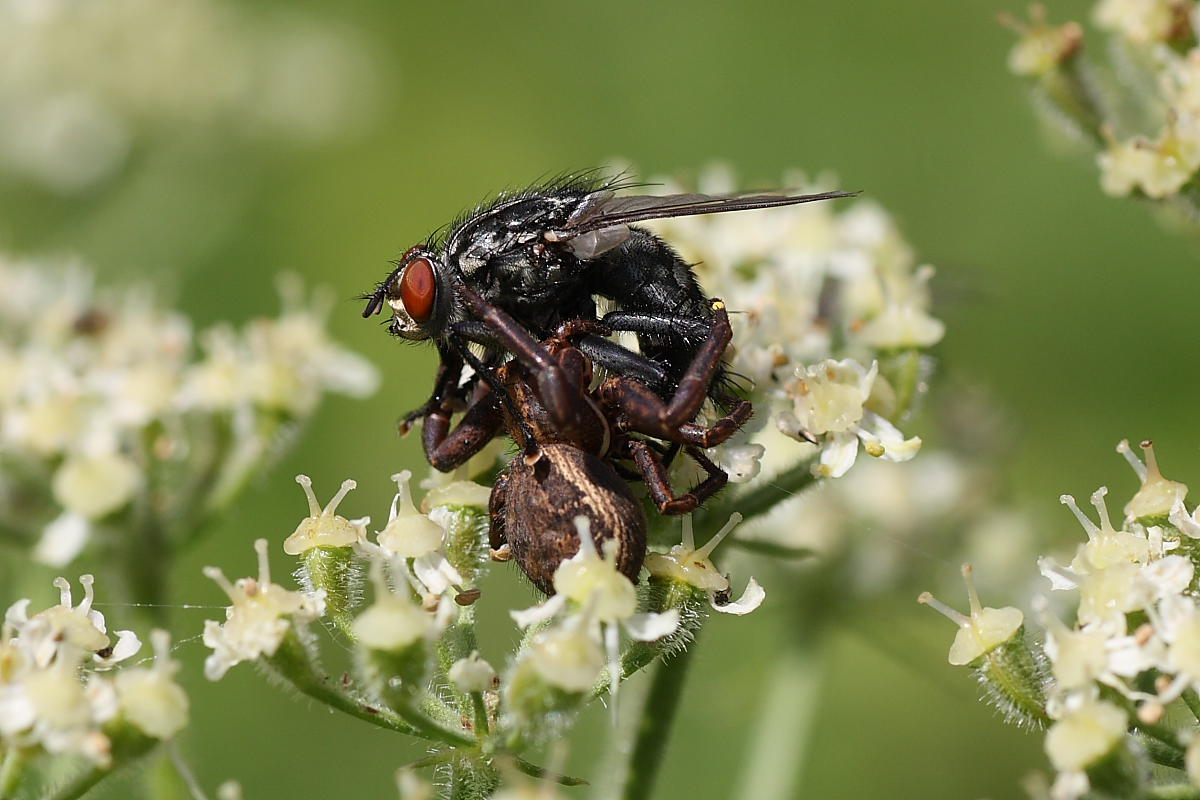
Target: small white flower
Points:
(393, 622)
(830, 402)
(261, 615)
(600, 598)
(79, 626)
(686, 563)
(981, 632)
(1140, 21)
(150, 698)
(322, 527)
(409, 533)
(95, 485)
(472, 674)
(1085, 735)
(63, 539)
(1157, 495)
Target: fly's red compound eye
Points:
(418, 288)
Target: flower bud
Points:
(472, 674)
(393, 636)
(149, 698)
(1085, 735)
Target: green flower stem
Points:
(80, 785)
(654, 728)
(1068, 89)
(777, 753)
(534, 771)
(1161, 754)
(11, 770)
(1177, 791)
(767, 494)
(293, 664)
(1192, 700)
(482, 728)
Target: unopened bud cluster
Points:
(1103, 681)
(1136, 97)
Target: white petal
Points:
(538, 613)
(62, 539)
(436, 572)
(1184, 522)
(127, 645)
(1061, 578)
(649, 627)
(751, 599)
(884, 440)
(17, 712)
(18, 613)
(838, 455)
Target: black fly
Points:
(544, 255)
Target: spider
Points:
(576, 441)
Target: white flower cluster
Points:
(1157, 74)
(55, 695)
(1133, 647)
(82, 84)
(101, 392)
(826, 303)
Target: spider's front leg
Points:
(445, 387)
(497, 539)
(447, 449)
(562, 396)
(654, 474)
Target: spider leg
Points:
(654, 473)
(645, 412)
(447, 449)
(496, 510)
(445, 386)
(562, 397)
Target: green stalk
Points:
(1178, 791)
(11, 770)
(1192, 700)
(80, 785)
(777, 754)
(768, 494)
(482, 728)
(654, 728)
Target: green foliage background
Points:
(1075, 311)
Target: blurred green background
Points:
(1075, 311)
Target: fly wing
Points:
(602, 210)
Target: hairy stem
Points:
(654, 727)
(1178, 791)
(80, 785)
(1192, 700)
(11, 770)
(765, 497)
